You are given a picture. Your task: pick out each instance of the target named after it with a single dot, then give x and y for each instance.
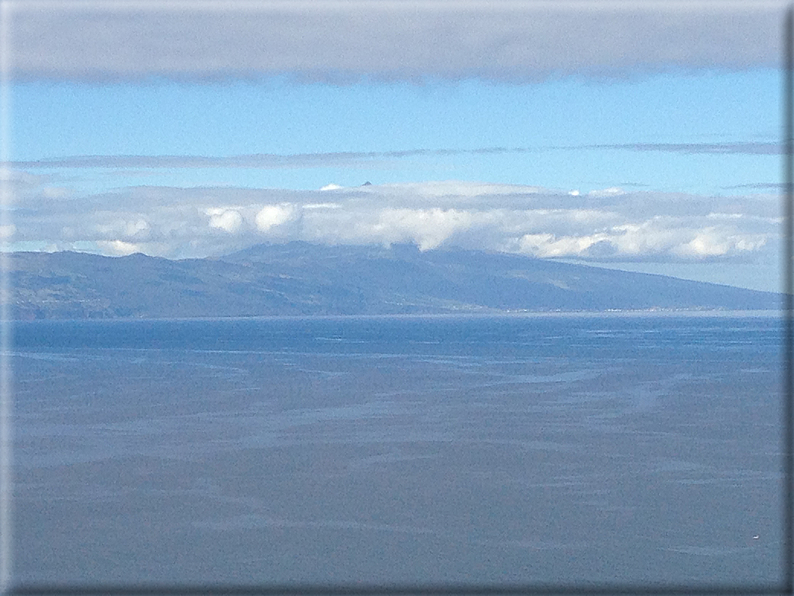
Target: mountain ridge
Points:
(304, 279)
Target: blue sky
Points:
(556, 127)
(668, 162)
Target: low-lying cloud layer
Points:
(605, 225)
(385, 40)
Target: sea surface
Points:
(564, 449)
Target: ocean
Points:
(540, 449)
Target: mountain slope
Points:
(305, 279)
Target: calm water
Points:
(568, 449)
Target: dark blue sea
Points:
(572, 449)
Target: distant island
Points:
(299, 278)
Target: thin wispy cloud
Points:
(260, 160)
(770, 186)
(733, 148)
(353, 158)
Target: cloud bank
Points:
(341, 42)
(605, 225)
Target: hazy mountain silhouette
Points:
(305, 279)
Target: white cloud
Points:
(321, 205)
(136, 227)
(228, 220)
(548, 245)
(613, 191)
(656, 237)
(450, 189)
(653, 236)
(118, 247)
(194, 222)
(428, 228)
(712, 242)
(272, 216)
(725, 215)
